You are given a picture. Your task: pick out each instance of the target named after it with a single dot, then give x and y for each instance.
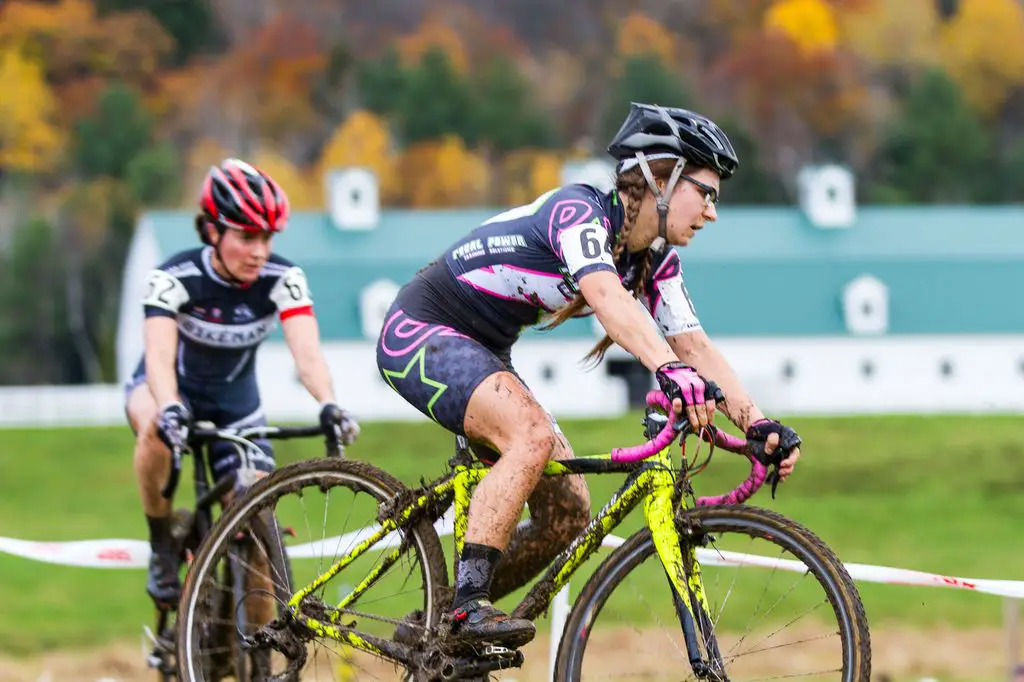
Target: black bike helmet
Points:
(654, 132)
(652, 129)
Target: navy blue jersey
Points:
(220, 324)
(521, 266)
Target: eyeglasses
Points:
(710, 193)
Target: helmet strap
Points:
(231, 278)
(660, 242)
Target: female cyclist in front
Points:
(445, 345)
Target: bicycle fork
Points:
(685, 581)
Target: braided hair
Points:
(631, 185)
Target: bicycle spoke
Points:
(767, 626)
(390, 581)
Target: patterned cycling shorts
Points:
(435, 368)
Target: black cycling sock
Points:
(159, 533)
(475, 572)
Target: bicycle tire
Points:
(324, 473)
(802, 543)
(267, 535)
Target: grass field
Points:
(934, 494)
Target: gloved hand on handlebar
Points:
(173, 425)
(687, 389)
(341, 423)
(781, 444)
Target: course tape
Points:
(125, 553)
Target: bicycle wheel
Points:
(339, 498)
(260, 579)
(620, 626)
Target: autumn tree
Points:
(74, 44)
(936, 149)
(641, 36)
(441, 172)
(811, 24)
(106, 141)
(901, 34)
(752, 183)
(526, 174)
(983, 51)
(436, 101)
(793, 99)
(363, 141)
(434, 35)
(305, 193)
(506, 114)
(643, 79)
(260, 90)
(30, 140)
(381, 83)
(191, 23)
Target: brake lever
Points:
(772, 461)
(774, 479)
(335, 444)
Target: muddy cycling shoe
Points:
(479, 621)
(410, 630)
(163, 585)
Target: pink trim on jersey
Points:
(670, 261)
(528, 297)
(417, 326)
(528, 271)
(489, 292)
(566, 218)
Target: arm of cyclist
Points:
(160, 338)
(697, 350)
(302, 335)
(630, 327)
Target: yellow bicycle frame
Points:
(652, 481)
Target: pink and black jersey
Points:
(523, 265)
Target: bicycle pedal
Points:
(500, 658)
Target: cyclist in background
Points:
(207, 311)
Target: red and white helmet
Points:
(239, 196)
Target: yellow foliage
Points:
(24, 18)
(85, 212)
(640, 35)
(71, 39)
(528, 173)
(29, 141)
(545, 172)
(811, 24)
(892, 32)
(362, 140)
(434, 33)
(201, 155)
(439, 173)
(267, 80)
(737, 18)
(983, 50)
(305, 193)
